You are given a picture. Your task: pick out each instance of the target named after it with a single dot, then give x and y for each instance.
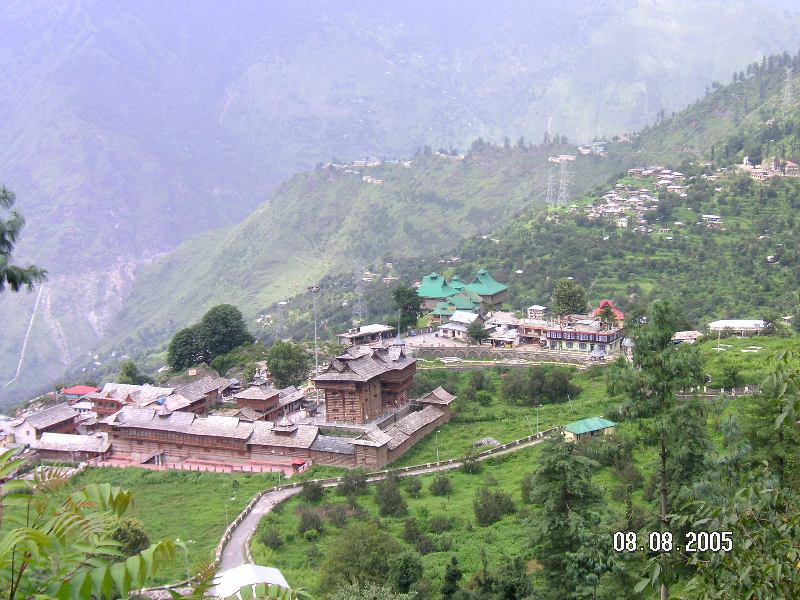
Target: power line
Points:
(563, 186)
(550, 186)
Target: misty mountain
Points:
(128, 128)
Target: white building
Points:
(741, 326)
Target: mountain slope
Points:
(127, 129)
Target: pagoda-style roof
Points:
(362, 364)
(456, 283)
(435, 286)
(485, 285)
(461, 301)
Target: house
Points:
(364, 383)
(490, 291)
(686, 337)
(365, 335)
(464, 300)
(434, 289)
(586, 428)
(202, 394)
(61, 418)
(114, 396)
(583, 336)
(73, 448)
(792, 169)
(619, 316)
(77, 391)
(458, 324)
(257, 397)
(743, 327)
(537, 311)
(712, 219)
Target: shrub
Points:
(441, 486)
(484, 398)
(491, 506)
(414, 486)
(527, 488)
(309, 520)
(425, 544)
(337, 515)
(411, 530)
(389, 499)
(440, 524)
(271, 538)
(470, 465)
(312, 491)
(354, 483)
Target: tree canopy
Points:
(408, 302)
(13, 276)
(288, 363)
(569, 297)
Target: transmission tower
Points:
(563, 187)
(551, 192)
(359, 306)
(788, 91)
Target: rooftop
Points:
(66, 442)
(485, 285)
(362, 364)
(588, 425)
(435, 286)
(79, 390)
(51, 416)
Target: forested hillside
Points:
(126, 130)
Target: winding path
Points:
(236, 551)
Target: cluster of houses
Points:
(769, 169)
(355, 167)
(356, 412)
(626, 205)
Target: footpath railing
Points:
(331, 481)
(705, 391)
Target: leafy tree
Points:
(354, 483)
(271, 538)
(441, 486)
(452, 575)
(607, 316)
(11, 275)
(129, 373)
(477, 332)
(184, 349)
(731, 377)
(312, 491)
(491, 506)
(54, 545)
(131, 535)
(406, 570)
(220, 330)
(471, 465)
(408, 302)
(660, 370)
(389, 499)
(414, 486)
(509, 582)
(347, 562)
(569, 297)
(309, 520)
(766, 523)
(369, 591)
(563, 481)
(288, 363)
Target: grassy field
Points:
(300, 558)
(753, 356)
(506, 422)
(180, 504)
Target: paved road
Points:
(234, 552)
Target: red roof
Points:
(79, 390)
(617, 312)
(298, 462)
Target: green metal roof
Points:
(485, 285)
(443, 309)
(463, 302)
(435, 286)
(588, 425)
(456, 283)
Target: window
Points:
(553, 345)
(569, 345)
(582, 345)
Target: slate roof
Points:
(66, 442)
(147, 418)
(363, 366)
(264, 435)
(51, 416)
(435, 286)
(437, 396)
(417, 420)
(373, 437)
(197, 389)
(141, 394)
(257, 392)
(588, 425)
(330, 443)
(485, 285)
(219, 426)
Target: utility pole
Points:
(563, 188)
(314, 289)
(550, 186)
